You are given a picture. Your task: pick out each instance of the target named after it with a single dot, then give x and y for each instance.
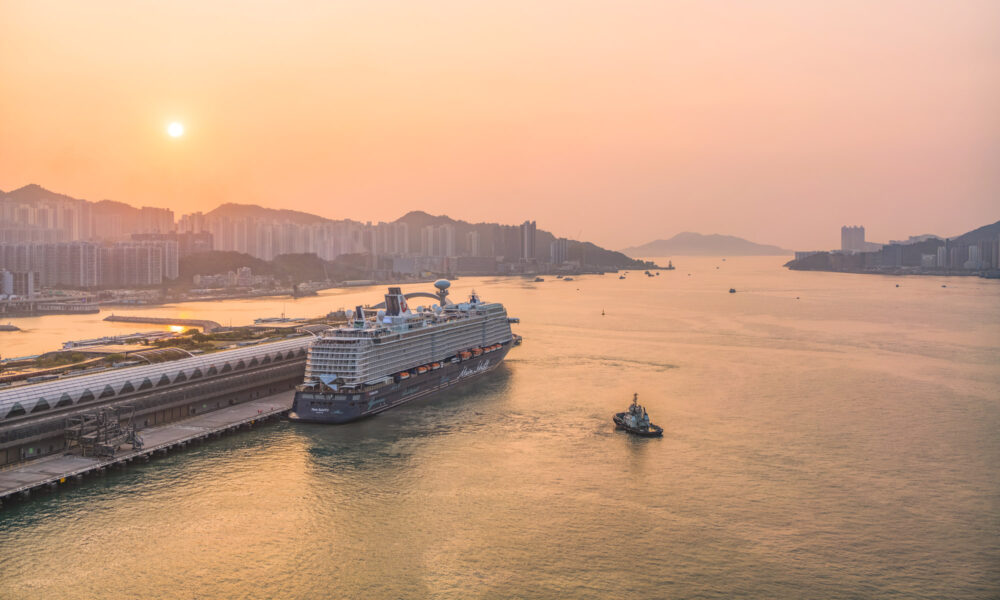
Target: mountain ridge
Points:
(689, 243)
(979, 234)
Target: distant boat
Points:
(539, 279)
(636, 421)
(732, 290)
(9, 327)
(602, 312)
(623, 277)
(567, 279)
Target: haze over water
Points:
(839, 445)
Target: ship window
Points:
(240, 364)
(265, 360)
(108, 392)
(181, 377)
(40, 406)
(253, 362)
(64, 400)
(87, 396)
(128, 387)
(164, 380)
(227, 368)
(146, 384)
(212, 371)
(196, 374)
(16, 411)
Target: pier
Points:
(206, 326)
(52, 472)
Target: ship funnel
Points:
(359, 317)
(395, 302)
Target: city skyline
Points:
(151, 219)
(774, 121)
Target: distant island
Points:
(974, 253)
(696, 244)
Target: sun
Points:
(175, 129)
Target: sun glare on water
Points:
(175, 129)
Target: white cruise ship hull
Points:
(322, 407)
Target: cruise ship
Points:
(389, 355)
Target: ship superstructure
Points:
(391, 354)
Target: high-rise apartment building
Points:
(34, 209)
(155, 220)
(17, 284)
(527, 249)
(852, 239)
(558, 251)
(89, 265)
(473, 243)
(437, 240)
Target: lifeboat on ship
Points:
(435, 366)
(465, 355)
(421, 370)
(477, 352)
(404, 375)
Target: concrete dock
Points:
(207, 326)
(51, 472)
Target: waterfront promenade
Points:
(51, 472)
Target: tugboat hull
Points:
(653, 431)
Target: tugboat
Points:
(636, 421)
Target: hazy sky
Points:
(617, 122)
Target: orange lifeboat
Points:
(421, 370)
(465, 355)
(435, 366)
(477, 351)
(404, 375)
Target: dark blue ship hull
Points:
(322, 407)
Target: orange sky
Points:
(618, 122)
